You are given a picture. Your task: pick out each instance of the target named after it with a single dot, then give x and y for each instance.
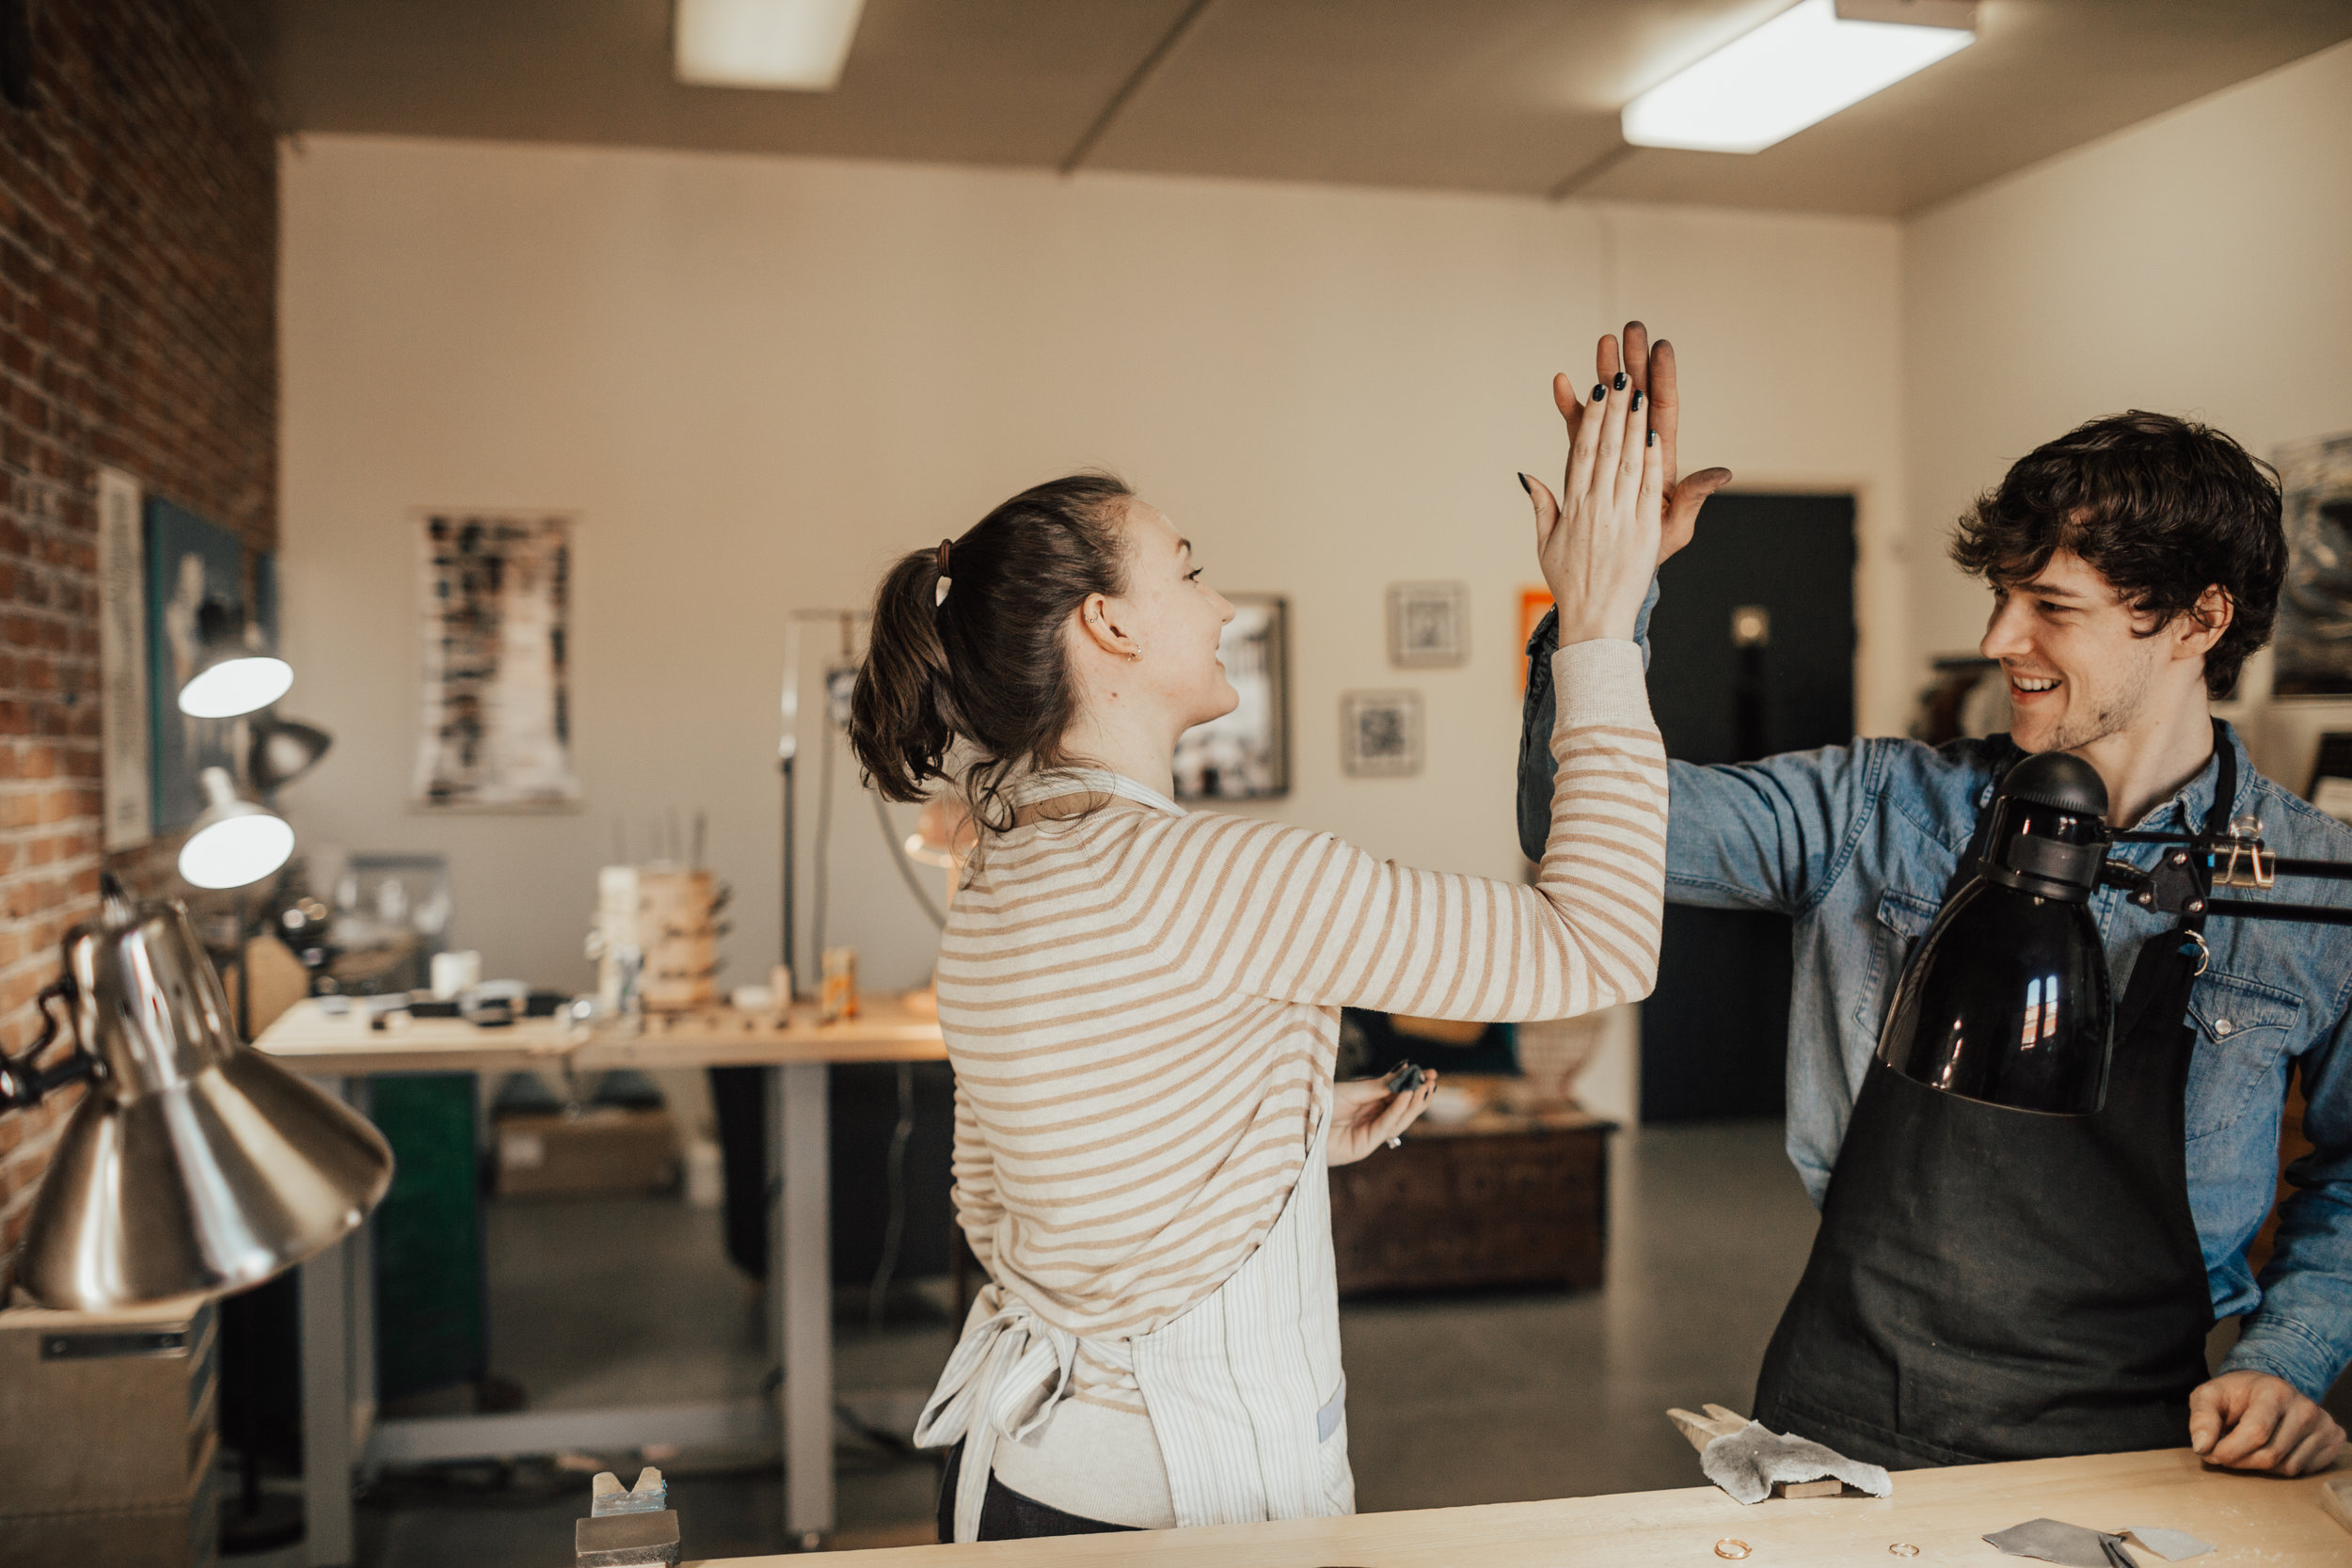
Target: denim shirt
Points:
(1857, 843)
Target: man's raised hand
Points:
(1648, 369)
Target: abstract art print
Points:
(2315, 636)
(1381, 733)
(1246, 754)
(494, 601)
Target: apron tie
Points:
(1007, 1374)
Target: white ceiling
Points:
(1487, 95)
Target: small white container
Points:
(453, 973)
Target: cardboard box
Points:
(107, 1434)
(601, 1151)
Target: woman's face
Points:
(1174, 617)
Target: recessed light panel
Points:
(1797, 69)
(796, 45)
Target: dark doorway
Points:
(1751, 653)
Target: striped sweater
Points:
(1142, 1009)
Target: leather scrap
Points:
(1748, 1462)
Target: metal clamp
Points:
(2246, 846)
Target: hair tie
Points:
(939, 592)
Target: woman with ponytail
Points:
(1142, 1002)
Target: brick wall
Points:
(138, 259)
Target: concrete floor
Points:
(1451, 1401)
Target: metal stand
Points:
(800, 1275)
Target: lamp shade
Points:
(195, 1164)
(232, 683)
(2007, 1000)
(284, 750)
(233, 841)
(234, 675)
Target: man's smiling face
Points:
(2079, 661)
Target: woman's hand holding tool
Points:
(1365, 1114)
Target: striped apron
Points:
(1244, 1390)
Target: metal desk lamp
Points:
(195, 1163)
(2006, 999)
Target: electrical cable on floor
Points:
(894, 1232)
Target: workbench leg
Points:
(360, 1284)
(327, 1363)
(799, 1276)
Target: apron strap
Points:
(1003, 1380)
(2187, 939)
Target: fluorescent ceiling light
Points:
(798, 44)
(1801, 67)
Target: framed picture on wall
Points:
(1381, 733)
(1428, 625)
(494, 615)
(1246, 755)
(191, 564)
(2315, 636)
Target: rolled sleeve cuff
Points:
(2287, 1349)
(1599, 682)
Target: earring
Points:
(1133, 653)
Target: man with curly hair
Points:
(2050, 1290)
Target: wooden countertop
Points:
(2251, 1519)
(886, 1030)
(309, 1039)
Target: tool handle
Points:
(23, 1081)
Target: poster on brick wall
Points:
(190, 562)
(493, 608)
(122, 660)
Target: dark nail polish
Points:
(1653, 439)
(1637, 399)
(1527, 484)
(1599, 392)
(1619, 383)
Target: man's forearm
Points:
(2303, 1330)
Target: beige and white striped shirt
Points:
(1141, 1008)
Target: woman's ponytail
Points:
(901, 713)
(967, 645)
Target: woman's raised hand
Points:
(1652, 369)
(1599, 542)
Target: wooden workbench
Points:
(1946, 1513)
(340, 1427)
(311, 1040)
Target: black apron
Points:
(1992, 1284)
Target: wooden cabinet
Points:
(1501, 1199)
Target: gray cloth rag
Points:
(2054, 1542)
(1747, 1462)
(2173, 1545)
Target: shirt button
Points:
(2222, 1025)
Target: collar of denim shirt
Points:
(2186, 811)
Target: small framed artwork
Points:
(1246, 755)
(1428, 625)
(1381, 733)
(2315, 627)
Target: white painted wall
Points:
(758, 379)
(2198, 264)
